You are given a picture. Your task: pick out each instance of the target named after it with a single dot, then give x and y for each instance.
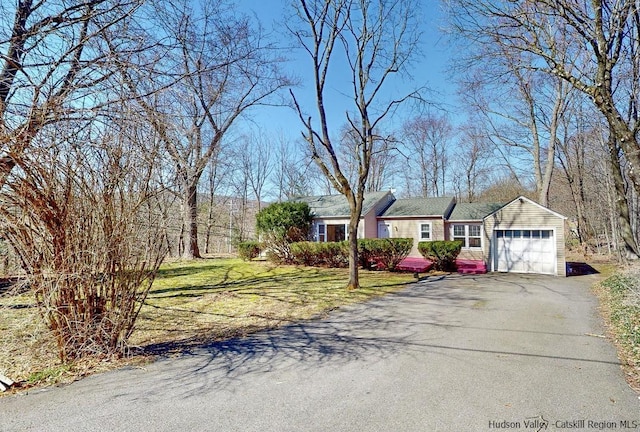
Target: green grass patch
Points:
(620, 297)
(190, 303)
(207, 300)
(49, 375)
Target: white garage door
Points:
(525, 251)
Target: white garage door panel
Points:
(525, 251)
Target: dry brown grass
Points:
(190, 303)
(25, 340)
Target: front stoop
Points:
(471, 266)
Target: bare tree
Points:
(428, 139)
(384, 165)
(51, 65)
(579, 132)
(256, 162)
(378, 40)
(240, 188)
(521, 111)
(291, 174)
(222, 68)
(383, 157)
(591, 45)
(217, 170)
(471, 155)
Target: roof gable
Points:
(525, 199)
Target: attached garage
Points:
(525, 251)
(525, 237)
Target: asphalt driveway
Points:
(461, 353)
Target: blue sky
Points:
(430, 70)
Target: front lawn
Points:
(191, 303)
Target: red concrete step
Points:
(421, 265)
(471, 266)
(414, 264)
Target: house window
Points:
(337, 233)
(469, 235)
(332, 232)
(459, 234)
(425, 231)
(475, 236)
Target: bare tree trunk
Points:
(571, 158)
(355, 203)
(190, 208)
(354, 279)
(622, 205)
(213, 183)
(557, 113)
(583, 225)
(210, 219)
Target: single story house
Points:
(520, 236)
(331, 215)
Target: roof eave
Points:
(411, 217)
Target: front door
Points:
(384, 229)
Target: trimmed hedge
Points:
(443, 254)
(321, 254)
(383, 254)
(249, 250)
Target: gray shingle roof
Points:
(419, 207)
(473, 211)
(337, 205)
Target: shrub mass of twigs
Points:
(87, 243)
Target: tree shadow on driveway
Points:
(371, 332)
(413, 322)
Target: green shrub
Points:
(336, 254)
(248, 250)
(443, 254)
(304, 253)
(326, 254)
(373, 253)
(286, 219)
(282, 224)
(383, 253)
